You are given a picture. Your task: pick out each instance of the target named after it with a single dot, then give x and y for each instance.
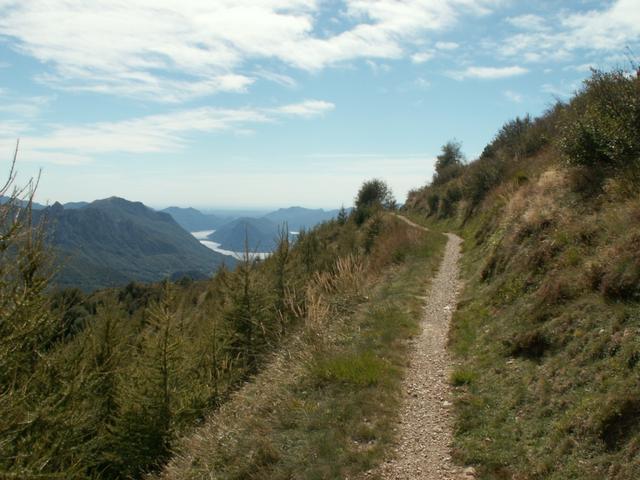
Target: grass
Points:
(327, 406)
(361, 369)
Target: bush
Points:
(449, 163)
(600, 126)
(448, 201)
(373, 195)
(433, 200)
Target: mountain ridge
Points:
(112, 241)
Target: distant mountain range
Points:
(298, 218)
(262, 233)
(193, 220)
(259, 234)
(22, 203)
(113, 241)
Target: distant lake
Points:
(202, 237)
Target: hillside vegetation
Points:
(547, 335)
(108, 385)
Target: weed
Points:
(462, 377)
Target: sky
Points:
(273, 103)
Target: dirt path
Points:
(425, 429)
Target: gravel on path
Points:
(425, 428)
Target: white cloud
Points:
(608, 29)
(488, 73)
(422, 57)
(28, 107)
(279, 78)
(308, 108)
(529, 22)
(446, 45)
(11, 129)
(172, 50)
(378, 68)
(72, 145)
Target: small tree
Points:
(449, 163)
(374, 195)
(281, 258)
(342, 216)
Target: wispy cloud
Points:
(488, 73)
(447, 45)
(23, 107)
(529, 22)
(607, 29)
(151, 134)
(308, 108)
(422, 57)
(172, 50)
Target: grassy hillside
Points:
(547, 333)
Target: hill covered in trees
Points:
(193, 220)
(256, 234)
(299, 218)
(546, 334)
(112, 242)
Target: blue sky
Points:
(267, 103)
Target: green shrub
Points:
(599, 129)
(462, 377)
(448, 201)
(433, 200)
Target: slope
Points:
(193, 220)
(326, 404)
(260, 234)
(113, 241)
(546, 334)
(298, 218)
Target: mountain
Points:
(74, 205)
(261, 234)
(193, 220)
(22, 203)
(298, 218)
(114, 241)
